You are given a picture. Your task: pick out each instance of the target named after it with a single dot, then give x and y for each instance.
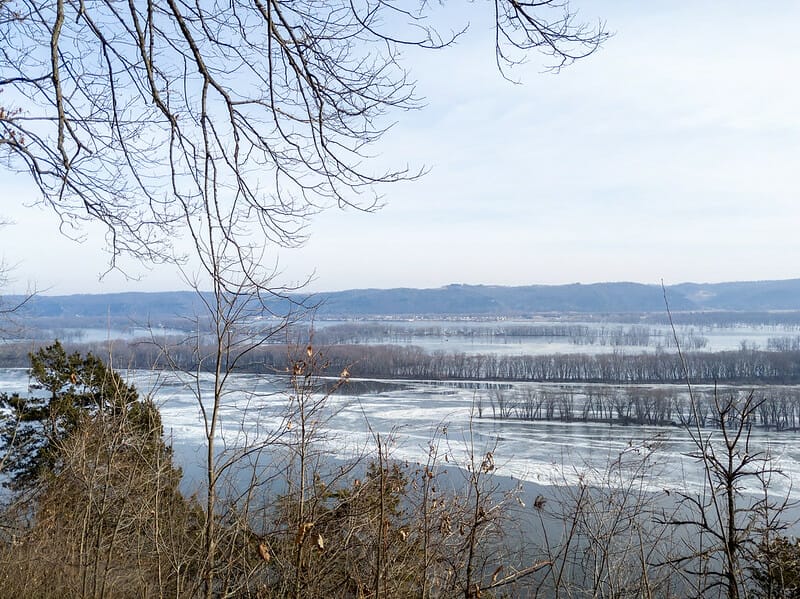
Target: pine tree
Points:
(67, 391)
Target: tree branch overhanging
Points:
(141, 114)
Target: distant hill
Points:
(597, 298)
(135, 305)
(484, 300)
(455, 300)
(751, 295)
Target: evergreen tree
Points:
(66, 391)
(85, 459)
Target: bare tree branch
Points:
(143, 115)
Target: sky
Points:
(673, 154)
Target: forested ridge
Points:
(725, 299)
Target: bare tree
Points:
(143, 115)
(230, 328)
(611, 544)
(726, 522)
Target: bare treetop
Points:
(152, 117)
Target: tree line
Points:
(617, 368)
(744, 366)
(611, 335)
(776, 407)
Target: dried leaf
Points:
(488, 463)
(263, 551)
(320, 542)
(309, 351)
(302, 530)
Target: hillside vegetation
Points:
(93, 506)
(453, 300)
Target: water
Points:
(416, 414)
(490, 336)
(487, 337)
(93, 335)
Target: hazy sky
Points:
(674, 153)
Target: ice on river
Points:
(413, 415)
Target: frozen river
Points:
(498, 337)
(526, 337)
(415, 414)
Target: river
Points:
(415, 414)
